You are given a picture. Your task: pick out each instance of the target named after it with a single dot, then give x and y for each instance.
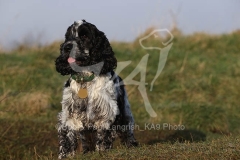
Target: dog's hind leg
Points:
(126, 121)
(127, 138)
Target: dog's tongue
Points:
(71, 60)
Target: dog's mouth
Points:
(79, 66)
(71, 60)
(83, 61)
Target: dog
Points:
(95, 106)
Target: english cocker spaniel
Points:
(95, 106)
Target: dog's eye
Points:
(68, 47)
(84, 37)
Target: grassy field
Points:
(199, 88)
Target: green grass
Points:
(198, 88)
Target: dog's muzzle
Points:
(75, 53)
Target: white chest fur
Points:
(100, 106)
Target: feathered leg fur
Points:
(67, 141)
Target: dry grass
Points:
(24, 104)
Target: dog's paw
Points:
(132, 142)
(61, 155)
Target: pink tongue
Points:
(71, 60)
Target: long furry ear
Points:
(61, 63)
(110, 61)
(103, 50)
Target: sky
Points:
(42, 21)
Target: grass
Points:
(198, 89)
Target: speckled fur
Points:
(105, 108)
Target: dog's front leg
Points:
(67, 142)
(105, 140)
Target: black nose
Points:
(68, 47)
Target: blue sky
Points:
(41, 21)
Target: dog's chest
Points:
(99, 109)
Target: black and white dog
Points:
(94, 99)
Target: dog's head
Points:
(84, 46)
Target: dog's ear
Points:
(103, 47)
(61, 63)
